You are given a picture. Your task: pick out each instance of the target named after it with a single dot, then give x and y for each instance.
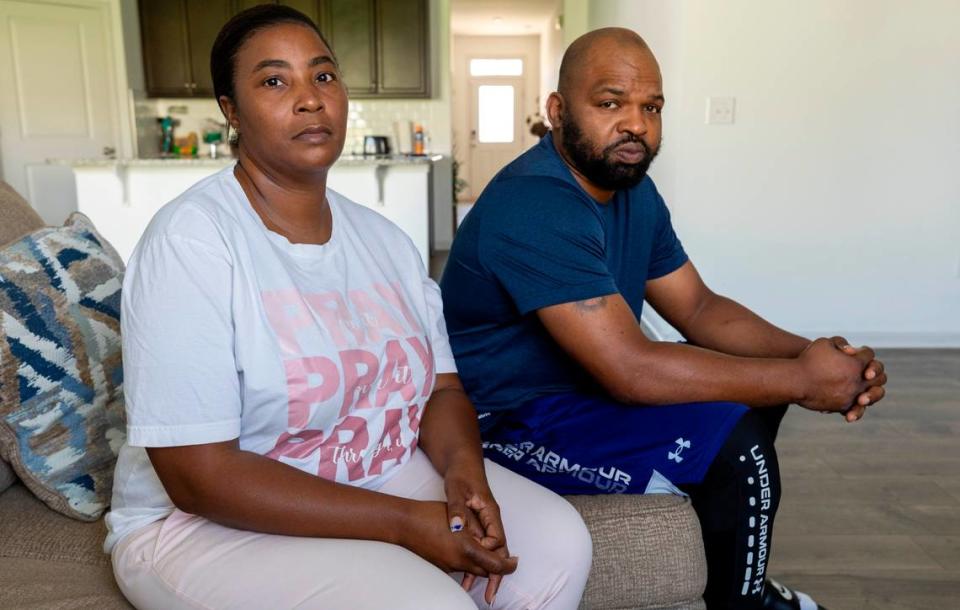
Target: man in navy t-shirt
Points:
(543, 291)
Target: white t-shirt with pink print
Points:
(319, 356)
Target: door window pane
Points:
(496, 67)
(495, 113)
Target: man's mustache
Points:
(630, 139)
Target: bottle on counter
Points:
(166, 129)
(213, 138)
(418, 140)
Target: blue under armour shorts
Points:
(580, 444)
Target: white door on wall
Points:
(496, 119)
(58, 97)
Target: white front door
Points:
(58, 97)
(496, 126)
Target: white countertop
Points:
(121, 196)
(343, 161)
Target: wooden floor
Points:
(870, 515)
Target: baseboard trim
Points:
(895, 340)
(664, 332)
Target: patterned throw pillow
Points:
(61, 375)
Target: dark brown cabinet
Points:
(166, 62)
(382, 45)
(310, 8)
(402, 46)
(204, 20)
(177, 37)
(350, 28)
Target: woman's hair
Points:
(243, 25)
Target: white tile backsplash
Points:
(365, 117)
(377, 117)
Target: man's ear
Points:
(555, 105)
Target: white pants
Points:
(186, 561)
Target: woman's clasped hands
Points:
(466, 534)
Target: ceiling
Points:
(501, 17)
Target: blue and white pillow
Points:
(61, 373)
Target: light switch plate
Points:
(720, 110)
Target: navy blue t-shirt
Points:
(535, 238)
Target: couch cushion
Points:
(52, 562)
(17, 218)
(647, 552)
(61, 403)
(30, 530)
(7, 476)
(57, 585)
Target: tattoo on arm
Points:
(588, 305)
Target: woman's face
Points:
(290, 105)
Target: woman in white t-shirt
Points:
(297, 433)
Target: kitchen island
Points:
(121, 196)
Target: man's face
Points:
(610, 125)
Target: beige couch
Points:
(647, 549)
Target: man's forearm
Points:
(667, 373)
(602, 334)
(725, 326)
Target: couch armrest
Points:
(17, 218)
(647, 552)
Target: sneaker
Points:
(778, 597)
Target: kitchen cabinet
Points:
(177, 37)
(350, 27)
(310, 8)
(402, 48)
(382, 45)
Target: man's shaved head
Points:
(584, 50)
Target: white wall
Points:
(659, 23)
(551, 51)
(576, 18)
(832, 205)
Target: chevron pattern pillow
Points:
(61, 375)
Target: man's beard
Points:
(601, 169)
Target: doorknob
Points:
(109, 151)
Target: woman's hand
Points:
(450, 437)
(429, 535)
(472, 510)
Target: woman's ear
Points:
(229, 110)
